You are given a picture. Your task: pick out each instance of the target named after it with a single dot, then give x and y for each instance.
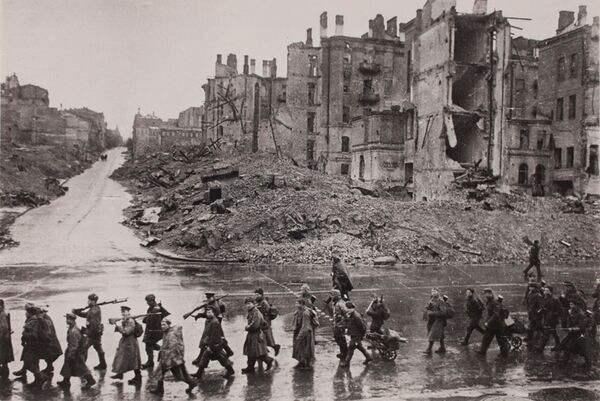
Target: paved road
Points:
(75, 246)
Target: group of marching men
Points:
(40, 343)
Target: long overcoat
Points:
(304, 337)
(265, 309)
(255, 345)
(30, 339)
(75, 354)
(6, 350)
(436, 312)
(127, 356)
(51, 345)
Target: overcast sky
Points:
(117, 55)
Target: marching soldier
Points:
(535, 301)
(75, 355)
(534, 260)
(153, 332)
(171, 358)
(435, 314)
(255, 346)
(576, 342)
(32, 343)
(339, 323)
(127, 357)
(94, 328)
(6, 350)
(52, 348)
(211, 346)
(265, 308)
(218, 309)
(494, 325)
(474, 309)
(379, 313)
(356, 330)
(305, 321)
(551, 313)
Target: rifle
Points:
(114, 301)
(114, 320)
(185, 316)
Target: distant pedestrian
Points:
(211, 346)
(435, 314)
(305, 321)
(494, 325)
(127, 356)
(94, 328)
(171, 358)
(474, 309)
(6, 350)
(339, 323)
(153, 332)
(255, 346)
(263, 305)
(379, 313)
(357, 329)
(551, 314)
(341, 277)
(534, 260)
(75, 354)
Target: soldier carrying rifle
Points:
(94, 327)
(153, 333)
(127, 357)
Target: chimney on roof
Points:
(392, 26)
(265, 71)
(378, 27)
(252, 66)
(219, 59)
(273, 66)
(565, 18)
(339, 25)
(582, 16)
(232, 61)
(323, 24)
(480, 7)
(246, 68)
(309, 41)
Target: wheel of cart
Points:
(386, 344)
(515, 342)
(388, 355)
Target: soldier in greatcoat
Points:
(153, 332)
(211, 346)
(305, 321)
(339, 323)
(494, 325)
(474, 309)
(32, 342)
(52, 347)
(127, 356)
(218, 309)
(262, 304)
(6, 350)
(551, 315)
(255, 346)
(171, 358)
(94, 328)
(75, 354)
(535, 301)
(435, 313)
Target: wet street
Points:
(76, 246)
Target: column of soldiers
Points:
(546, 313)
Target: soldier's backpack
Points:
(138, 330)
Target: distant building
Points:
(94, 122)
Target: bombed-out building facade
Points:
(419, 104)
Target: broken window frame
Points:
(345, 144)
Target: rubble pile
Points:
(260, 208)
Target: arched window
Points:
(540, 174)
(345, 144)
(523, 174)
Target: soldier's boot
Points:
(250, 367)
(102, 364)
(229, 372)
(269, 362)
(150, 362)
(159, 389)
(64, 383)
(89, 381)
(191, 384)
(199, 373)
(467, 337)
(117, 376)
(429, 348)
(137, 379)
(21, 372)
(441, 349)
(276, 348)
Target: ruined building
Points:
(150, 133)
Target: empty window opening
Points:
(561, 69)
(312, 66)
(593, 162)
(570, 156)
(559, 109)
(573, 65)
(523, 174)
(572, 106)
(557, 158)
(345, 144)
(541, 142)
(408, 172)
(346, 115)
(344, 168)
(524, 139)
(310, 121)
(310, 150)
(312, 89)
